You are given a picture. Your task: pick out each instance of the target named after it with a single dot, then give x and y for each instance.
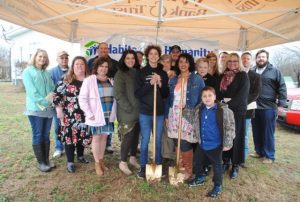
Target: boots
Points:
(98, 169)
(187, 159)
(181, 167)
(46, 146)
(124, 168)
(134, 162)
(234, 172)
(38, 152)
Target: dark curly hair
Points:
(99, 61)
(189, 58)
(122, 66)
(149, 48)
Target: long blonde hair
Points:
(32, 61)
(241, 67)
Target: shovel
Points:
(153, 171)
(175, 176)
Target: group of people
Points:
(218, 102)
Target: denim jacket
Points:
(193, 93)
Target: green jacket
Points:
(127, 104)
(38, 84)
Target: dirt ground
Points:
(20, 180)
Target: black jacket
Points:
(273, 91)
(238, 91)
(211, 81)
(144, 91)
(255, 85)
(111, 71)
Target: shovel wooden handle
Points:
(154, 123)
(180, 122)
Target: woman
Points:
(151, 74)
(202, 66)
(72, 130)
(213, 65)
(97, 101)
(166, 61)
(127, 109)
(234, 89)
(193, 85)
(39, 89)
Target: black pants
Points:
(70, 148)
(130, 142)
(215, 158)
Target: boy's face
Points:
(202, 68)
(208, 98)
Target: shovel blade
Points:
(153, 172)
(175, 177)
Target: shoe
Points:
(187, 159)
(142, 173)
(197, 182)
(124, 168)
(103, 167)
(98, 169)
(267, 161)
(225, 167)
(216, 191)
(39, 154)
(133, 161)
(71, 167)
(81, 159)
(256, 155)
(57, 154)
(46, 146)
(205, 170)
(109, 150)
(234, 172)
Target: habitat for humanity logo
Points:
(91, 48)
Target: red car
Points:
(290, 116)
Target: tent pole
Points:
(160, 18)
(242, 43)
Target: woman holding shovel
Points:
(148, 78)
(192, 89)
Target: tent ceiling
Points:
(235, 24)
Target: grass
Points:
(21, 181)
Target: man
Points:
(272, 94)
(175, 51)
(57, 74)
(255, 85)
(102, 51)
(222, 58)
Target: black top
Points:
(238, 91)
(211, 81)
(111, 71)
(255, 85)
(273, 89)
(144, 91)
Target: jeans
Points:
(146, 123)
(263, 126)
(248, 122)
(40, 129)
(58, 145)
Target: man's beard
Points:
(262, 65)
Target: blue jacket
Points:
(38, 84)
(195, 85)
(57, 74)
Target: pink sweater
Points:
(90, 103)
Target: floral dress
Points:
(73, 130)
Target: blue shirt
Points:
(209, 132)
(57, 74)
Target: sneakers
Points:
(267, 161)
(234, 172)
(70, 167)
(133, 161)
(216, 191)
(142, 173)
(109, 150)
(198, 181)
(57, 154)
(256, 155)
(81, 159)
(124, 168)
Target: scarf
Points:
(227, 79)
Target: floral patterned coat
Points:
(73, 130)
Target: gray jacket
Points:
(225, 121)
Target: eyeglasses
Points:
(233, 61)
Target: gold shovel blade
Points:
(153, 172)
(175, 176)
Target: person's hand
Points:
(280, 110)
(92, 118)
(226, 148)
(166, 123)
(59, 112)
(171, 74)
(62, 121)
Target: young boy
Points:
(214, 122)
(202, 70)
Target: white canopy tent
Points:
(233, 24)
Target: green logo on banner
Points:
(91, 48)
